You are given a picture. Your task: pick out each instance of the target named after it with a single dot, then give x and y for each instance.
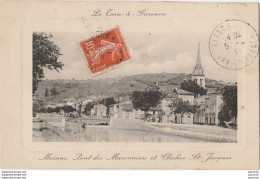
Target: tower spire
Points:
(198, 70)
(198, 61)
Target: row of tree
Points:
(144, 100)
(193, 87)
(45, 56)
(229, 97)
(39, 106)
(52, 92)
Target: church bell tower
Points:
(198, 72)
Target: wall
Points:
(202, 78)
(189, 98)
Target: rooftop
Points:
(157, 108)
(126, 106)
(183, 92)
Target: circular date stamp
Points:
(234, 44)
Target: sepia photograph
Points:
(179, 95)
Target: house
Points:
(210, 105)
(184, 95)
(155, 113)
(139, 114)
(123, 110)
(166, 101)
(111, 110)
(186, 118)
(99, 111)
(168, 114)
(126, 111)
(213, 103)
(199, 116)
(155, 110)
(165, 105)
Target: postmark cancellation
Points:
(233, 44)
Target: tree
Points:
(181, 107)
(46, 92)
(54, 91)
(45, 55)
(229, 109)
(38, 106)
(224, 115)
(68, 109)
(193, 87)
(107, 102)
(145, 99)
(57, 109)
(89, 106)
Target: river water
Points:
(77, 133)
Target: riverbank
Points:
(43, 132)
(48, 127)
(202, 132)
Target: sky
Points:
(172, 50)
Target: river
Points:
(77, 133)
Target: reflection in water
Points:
(107, 134)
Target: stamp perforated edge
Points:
(129, 59)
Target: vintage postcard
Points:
(156, 85)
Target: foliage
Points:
(193, 87)
(89, 106)
(45, 55)
(38, 106)
(91, 89)
(230, 99)
(145, 99)
(50, 110)
(54, 92)
(180, 107)
(107, 102)
(234, 125)
(68, 109)
(224, 115)
(46, 92)
(57, 109)
(229, 109)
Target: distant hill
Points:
(114, 87)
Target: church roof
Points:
(198, 70)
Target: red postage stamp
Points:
(104, 51)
